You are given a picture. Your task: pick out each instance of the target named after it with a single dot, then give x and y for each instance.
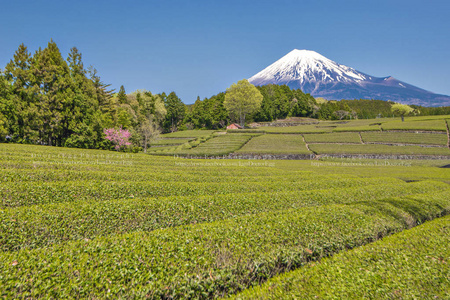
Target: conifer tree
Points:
(175, 112)
(122, 96)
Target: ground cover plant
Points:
(378, 149)
(171, 141)
(411, 124)
(405, 137)
(316, 128)
(276, 144)
(338, 137)
(412, 264)
(103, 224)
(188, 134)
(215, 145)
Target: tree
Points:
(402, 109)
(241, 99)
(149, 132)
(122, 96)
(175, 111)
(51, 75)
(17, 95)
(119, 137)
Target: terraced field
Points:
(338, 137)
(275, 144)
(378, 149)
(429, 125)
(99, 224)
(382, 137)
(405, 138)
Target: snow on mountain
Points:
(321, 77)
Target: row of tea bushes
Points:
(209, 259)
(43, 225)
(412, 264)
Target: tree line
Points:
(46, 99)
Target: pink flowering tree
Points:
(119, 137)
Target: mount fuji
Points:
(322, 77)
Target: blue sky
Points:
(199, 48)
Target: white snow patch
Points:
(305, 66)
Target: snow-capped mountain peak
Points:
(321, 77)
(306, 66)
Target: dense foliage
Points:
(241, 99)
(278, 102)
(45, 99)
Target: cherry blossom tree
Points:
(119, 137)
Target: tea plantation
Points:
(110, 225)
(417, 137)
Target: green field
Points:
(275, 144)
(415, 125)
(378, 149)
(171, 141)
(213, 145)
(101, 224)
(321, 128)
(188, 134)
(405, 137)
(409, 265)
(421, 131)
(338, 137)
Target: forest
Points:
(51, 100)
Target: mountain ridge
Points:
(321, 77)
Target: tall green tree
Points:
(18, 105)
(241, 99)
(51, 73)
(175, 112)
(122, 96)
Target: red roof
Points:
(234, 126)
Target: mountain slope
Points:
(322, 77)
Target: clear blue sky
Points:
(199, 48)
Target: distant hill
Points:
(322, 77)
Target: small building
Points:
(234, 126)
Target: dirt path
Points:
(360, 138)
(448, 134)
(307, 147)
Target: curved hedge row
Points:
(412, 264)
(43, 225)
(207, 260)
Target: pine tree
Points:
(51, 75)
(17, 106)
(122, 96)
(175, 112)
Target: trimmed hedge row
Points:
(207, 260)
(24, 193)
(412, 264)
(43, 225)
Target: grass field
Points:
(405, 137)
(276, 144)
(102, 224)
